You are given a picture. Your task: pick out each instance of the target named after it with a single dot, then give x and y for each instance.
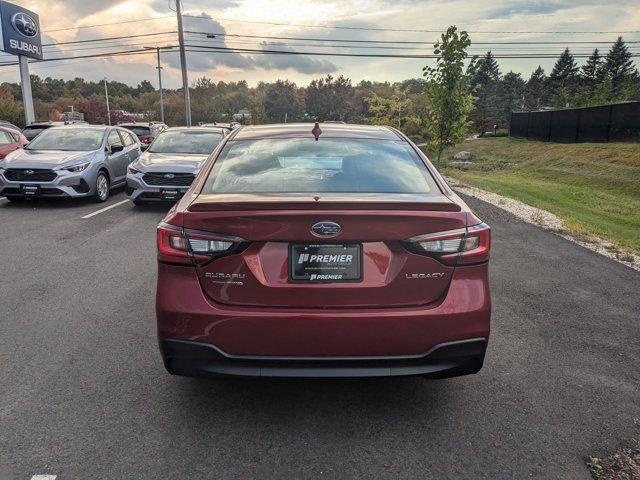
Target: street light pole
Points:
(106, 96)
(183, 65)
(159, 67)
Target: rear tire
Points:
(101, 193)
(140, 203)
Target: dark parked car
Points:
(146, 132)
(322, 252)
(32, 130)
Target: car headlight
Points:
(133, 170)
(78, 168)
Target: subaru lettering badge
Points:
(326, 229)
(29, 172)
(169, 175)
(24, 24)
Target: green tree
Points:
(618, 66)
(449, 101)
(485, 87)
(281, 99)
(563, 79)
(330, 99)
(512, 91)
(536, 94)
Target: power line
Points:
(375, 29)
(374, 47)
(90, 40)
(366, 55)
(107, 24)
(94, 55)
(401, 42)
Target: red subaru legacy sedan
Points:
(326, 251)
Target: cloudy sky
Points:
(489, 22)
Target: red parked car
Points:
(334, 251)
(10, 140)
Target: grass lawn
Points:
(593, 187)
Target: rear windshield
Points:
(139, 131)
(302, 165)
(195, 142)
(68, 139)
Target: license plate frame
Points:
(310, 270)
(29, 190)
(170, 193)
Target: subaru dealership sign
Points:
(20, 31)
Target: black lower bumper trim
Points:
(195, 359)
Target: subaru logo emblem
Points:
(169, 175)
(29, 172)
(326, 229)
(24, 24)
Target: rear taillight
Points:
(456, 247)
(189, 247)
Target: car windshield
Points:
(194, 142)
(68, 139)
(140, 131)
(301, 165)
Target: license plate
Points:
(170, 194)
(325, 262)
(30, 189)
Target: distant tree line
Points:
(601, 80)
(607, 78)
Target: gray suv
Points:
(70, 161)
(167, 168)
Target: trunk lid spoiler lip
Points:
(398, 202)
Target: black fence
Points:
(606, 123)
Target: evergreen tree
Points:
(485, 90)
(536, 93)
(618, 66)
(563, 79)
(592, 72)
(512, 90)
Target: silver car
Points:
(70, 161)
(167, 168)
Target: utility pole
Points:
(183, 65)
(106, 96)
(27, 98)
(159, 67)
(399, 110)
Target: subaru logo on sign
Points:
(29, 172)
(169, 175)
(24, 24)
(326, 229)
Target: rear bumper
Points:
(183, 357)
(199, 336)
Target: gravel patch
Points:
(548, 221)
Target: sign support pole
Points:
(27, 97)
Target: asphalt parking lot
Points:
(83, 393)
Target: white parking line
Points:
(105, 209)
(3, 198)
(43, 477)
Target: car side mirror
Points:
(116, 148)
